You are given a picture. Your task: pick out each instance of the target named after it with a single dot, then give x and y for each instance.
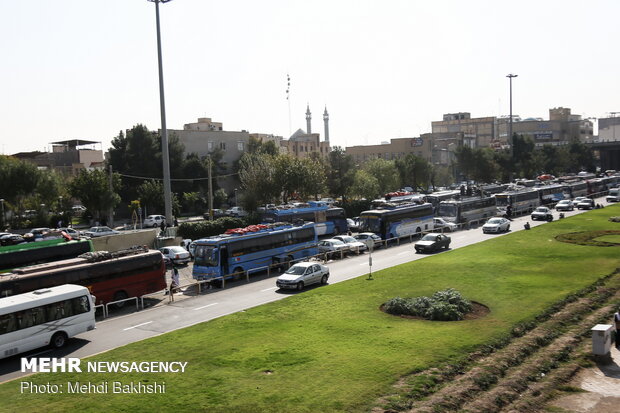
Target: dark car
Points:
(542, 214)
(432, 243)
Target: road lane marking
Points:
(404, 252)
(204, 306)
(139, 325)
(269, 289)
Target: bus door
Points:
(223, 259)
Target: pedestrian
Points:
(174, 282)
(176, 222)
(175, 276)
(162, 226)
(617, 321)
(509, 212)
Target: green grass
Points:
(330, 349)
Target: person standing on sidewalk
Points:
(617, 321)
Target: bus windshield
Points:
(369, 223)
(206, 255)
(447, 210)
(501, 200)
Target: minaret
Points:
(326, 120)
(308, 119)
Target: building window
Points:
(210, 146)
(240, 146)
(223, 146)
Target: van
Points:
(614, 195)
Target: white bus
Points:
(44, 317)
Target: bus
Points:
(574, 189)
(229, 255)
(399, 221)
(30, 253)
(467, 209)
(44, 317)
(521, 201)
(110, 276)
(328, 220)
(550, 194)
(435, 198)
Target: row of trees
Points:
(264, 175)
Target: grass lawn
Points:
(330, 349)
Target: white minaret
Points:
(308, 119)
(326, 121)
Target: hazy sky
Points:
(85, 69)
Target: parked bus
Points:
(399, 221)
(44, 317)
(521, 201)
(229, 255)
(436, 197)
(328, 220)
(466, 210)
(596, 186)
(109, 276)
(550, 194)
(30, 253)
(574, 189)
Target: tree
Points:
(93, 189)
(365, 185)
(385, 174)
(257, 176)
(340, 175)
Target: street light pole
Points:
(511, 141)
(164, 130)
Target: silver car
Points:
(353, 244)
(496, 225)
(333, 247)
(178, 255)
(302, 274)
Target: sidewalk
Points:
(602, 389)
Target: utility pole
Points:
(111, 209)
(210, 189)
(511, 140)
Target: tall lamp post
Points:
(3, 218)
(512, 152)
(164, 130)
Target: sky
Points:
(85, 69)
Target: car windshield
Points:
(296, 270)
(541, 209)
(495, 221)
(177, 249)
(337, 242)
(564, 202)
(349, 239)
(429, 237)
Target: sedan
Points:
(496, 225)
(353, 244)
(542, 214)
(578, 200)
(332, 247)
(586, 204)
(442, 224)
(564, 205)
(352, 224)
(432, 243)
(369, 238)
(302, 274)
(100, 232)
(178, 255)
(11, 239)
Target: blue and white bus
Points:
(550, 194)
(229, 255)
(327, 220)
(399, 221)
(521, 201)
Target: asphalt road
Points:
(240, 295)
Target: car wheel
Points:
(447, 246)
(300, 286)
(324, 279)
(508, 228)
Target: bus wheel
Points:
(238, 273)
(336, 231)
(120, 295)
(300, 286)
(58, 340)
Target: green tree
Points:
(365, 185)
(385, 174)
(93, 189)
(341, 172)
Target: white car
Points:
(333, 247)
(564, 205)
(578, 200)
(586, 204)
(302, 274)
(368, 237)
(442, 224)
(178, 255)
(94, 232)
(236, 212)
(496, 225)
(542, 214)
(353, 244)
(154, 221)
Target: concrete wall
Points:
(125, 240)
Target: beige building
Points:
(560, 129)
(395, 149)
(68, 157)
(474, 132)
